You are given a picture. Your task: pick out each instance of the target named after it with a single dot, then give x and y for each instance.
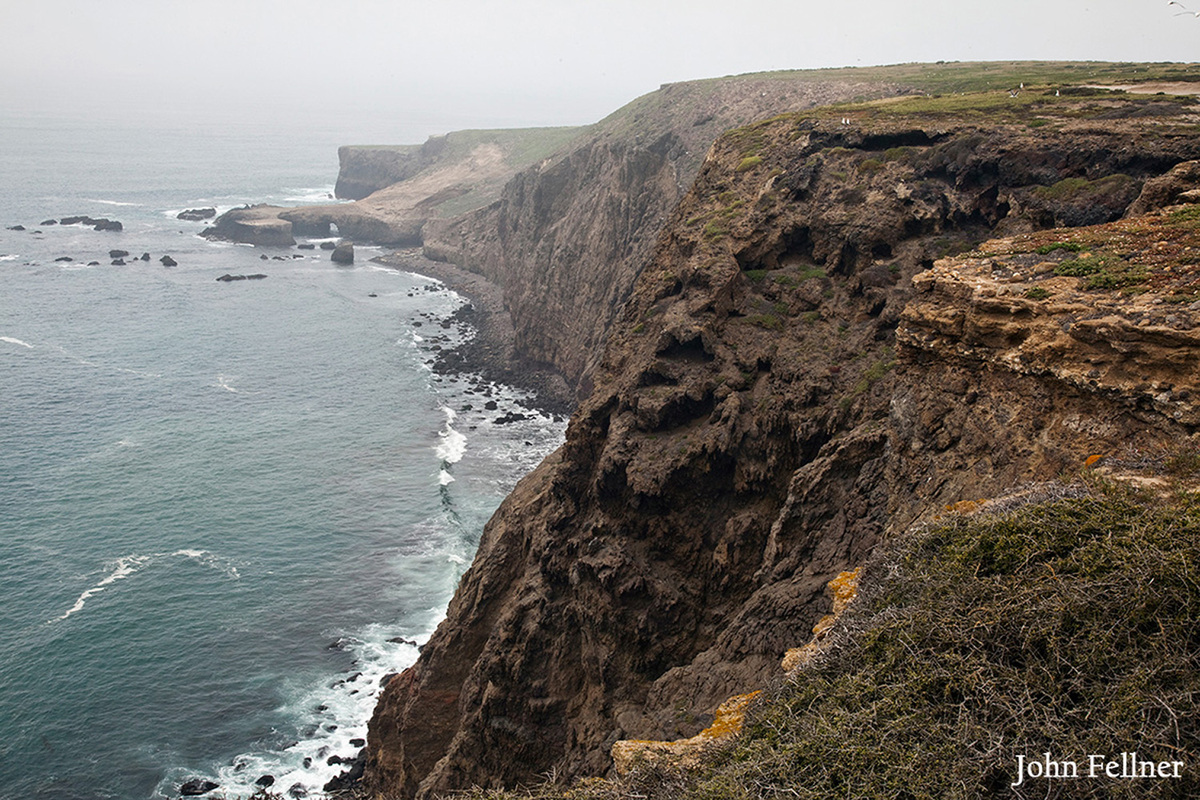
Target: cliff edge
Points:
(786, 386)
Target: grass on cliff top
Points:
(975, 76)
(1071, 626)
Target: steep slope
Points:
(742, 443)
(567, 238)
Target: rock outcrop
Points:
(257, 225)
(758, 422)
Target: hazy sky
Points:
(493, 63)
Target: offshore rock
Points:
(196, 214)
(257, 225)
(343, 253)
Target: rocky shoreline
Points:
(491, 353)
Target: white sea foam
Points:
(330, 715)
(127, 565)
(124, 568)
(453, 443)
(9, 257)
(445, 478)
(317, 194)
(11, 340)
(112, 202)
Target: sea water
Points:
(227, 509)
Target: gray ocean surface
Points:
(227, 510)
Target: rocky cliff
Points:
(568, 237)
(757, 422)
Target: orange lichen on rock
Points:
(965, 506)
(1092, 460)
(684, 753)
(842, 590)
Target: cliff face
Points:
(757, 423)
(363, 170)
(567, 238)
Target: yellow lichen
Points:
(684, 753)
(842, 591)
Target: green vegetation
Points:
(756, 275)
(1037, 293)
(1046, 249)
(770, 322)
(748, 163)
(1103, 271)
(1071, 625)
(1073, 188)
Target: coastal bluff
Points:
(816, 351)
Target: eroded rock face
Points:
(568, 238)
(757, 425)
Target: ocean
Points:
(227, 509)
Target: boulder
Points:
(64, 258)
(16, 227)
(351, 776)
(265, 781)
(227, 278)
(167, 261)
(107, 225)
(327, 245)
(145, 257)
(343, 254)
(197, 786)
(118, 262)
(196, 214)
(308, 246)
(118, 253)
(48, 222)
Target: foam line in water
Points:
(453, 443)
(11, 340)
(316, 194)
(9, 257)
(128, 565)
(332, 717)
(111, 202)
